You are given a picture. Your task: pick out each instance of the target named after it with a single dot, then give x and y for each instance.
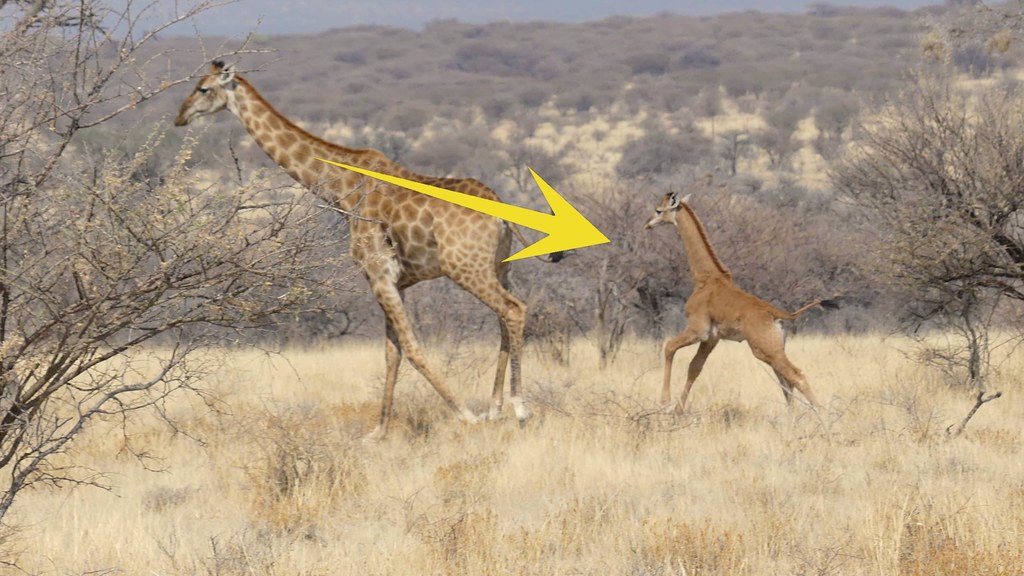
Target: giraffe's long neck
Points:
(704, 263)
(295, 150)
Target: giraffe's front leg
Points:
(696, 365)
(388, 297)
(383, 271)
(690, 335)
(393, 357)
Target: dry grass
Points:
(597, 483)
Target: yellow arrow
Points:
(565, 227)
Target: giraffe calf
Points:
(718, 309)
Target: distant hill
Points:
(657, 62)
(315, 16)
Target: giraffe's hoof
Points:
(522, 412)
(376, 436)
(493, 414)
(468, 417)
(675, 409)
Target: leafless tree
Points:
(777, 138)
(832, 117)
(940, 171)
(609, 276)
(110, 277)
(732, 147)
(524, 156)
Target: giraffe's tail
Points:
(829, 303)
(553, 257)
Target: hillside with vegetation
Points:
(740, 94)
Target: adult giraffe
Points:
(398, 237)
(719, 309)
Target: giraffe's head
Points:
(213, 93)
(665, 212)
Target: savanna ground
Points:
(597, 483)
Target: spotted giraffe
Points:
(398, 237)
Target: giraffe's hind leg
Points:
(795, 377)
(511, 313)
(787, 388)
(770, 349)
(498, 391)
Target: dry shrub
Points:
(641, 423)
(466, 479)
(1002, 441)
(551, 328)
(573, 528)
(918, 416)
(247, 553)
(729, 415)
(351, 420)
(465, 543)
(417, 424)
(549, 396)
(927, 549)
(673, 547)
(164, 498)
(306, 469)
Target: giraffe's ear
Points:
(227, 76)
(673, 201)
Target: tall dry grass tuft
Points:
(933, 546)
(463, 543)
(673, 547)
(306, 466)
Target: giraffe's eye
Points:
(658, 210)
(202, 90)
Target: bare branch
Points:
(980, 400)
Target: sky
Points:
(314, 16)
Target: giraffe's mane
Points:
(391, 167)
(287, 122)
(704, 238)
